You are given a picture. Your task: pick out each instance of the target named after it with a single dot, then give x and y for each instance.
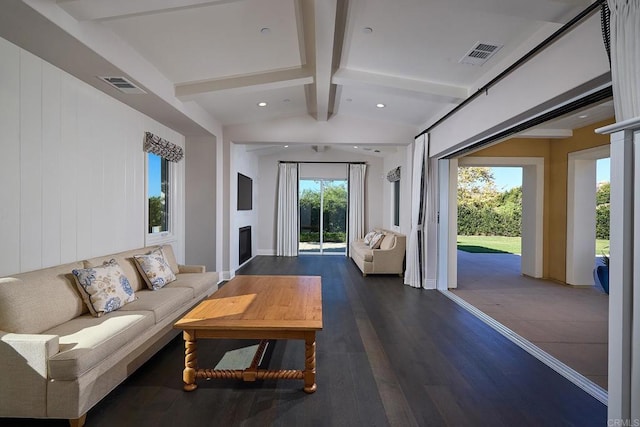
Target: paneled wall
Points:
(72, 180)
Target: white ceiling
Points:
(302, 57)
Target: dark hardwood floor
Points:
(388, 355)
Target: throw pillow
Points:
(376, 240)
(104, 288)
(369, 236)
(155, 269)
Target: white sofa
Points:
(388, 259)
(58, 361)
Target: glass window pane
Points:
(158, 193)
(396, 203)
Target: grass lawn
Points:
(602, 247)
(511, 245)
(489, 244)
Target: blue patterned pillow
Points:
(155, 269)
(104, 288)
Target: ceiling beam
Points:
(325, 26)
(101, 10)
(424, 89)
(247, 83)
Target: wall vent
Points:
(122, 84)
(480, 53)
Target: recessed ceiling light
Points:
(262, 104)
(286, 146)
(349, 99)
(583, 116)
(286, 100)
(367, 30)
(265, 30)
(380, 105)
(355, 146)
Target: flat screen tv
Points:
(245, 193)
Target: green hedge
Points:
(602, 221)
(488, 221)
(314, 236)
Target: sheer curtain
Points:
(625, 57)
(431, 221)
(356, 202)
(287, 223)
(413, 273)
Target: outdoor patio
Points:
(569, 323)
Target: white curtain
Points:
(413, 273)
(625, 57)
(431, 221)
(356, 201)
(287, 223)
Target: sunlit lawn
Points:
(512, 245)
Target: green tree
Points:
(156, 212)
(603, 197)
(476, 185)
(603, 194)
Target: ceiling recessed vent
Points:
(480, 53)
(122, 84)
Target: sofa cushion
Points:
(154, 269)
(104, 288)
(388, 242)
(363, 250)
(86, 340)
(162, 302)
(201, 283)
(170, 257)
(33, 302)
(127, 263)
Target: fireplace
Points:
(244, 246)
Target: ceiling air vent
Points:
(480, 53)
(122, 84)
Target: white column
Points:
(532, 205)
(624, 279)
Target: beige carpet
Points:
(569, 323)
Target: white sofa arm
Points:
(192, 269)
(23, 373)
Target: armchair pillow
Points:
(104, 288)
(155, 269)
(376, 241)
(369, 236)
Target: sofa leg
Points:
(364, 274)
(78, 422)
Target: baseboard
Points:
(266, 252)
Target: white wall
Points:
(246, 164)
(402, 158)
(578, 58)
(200, 202)
(268, 173)
(73, 173)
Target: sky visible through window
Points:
(155, 179)
(507, 178)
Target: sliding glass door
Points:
(323, 216)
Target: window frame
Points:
(168, 235)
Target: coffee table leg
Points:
(190, 361)
(310, 362)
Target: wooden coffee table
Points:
(256, 307)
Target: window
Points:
(396, 203)
(158, 194)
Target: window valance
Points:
(394, 175)
(163, 148)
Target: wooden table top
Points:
(260, 303)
